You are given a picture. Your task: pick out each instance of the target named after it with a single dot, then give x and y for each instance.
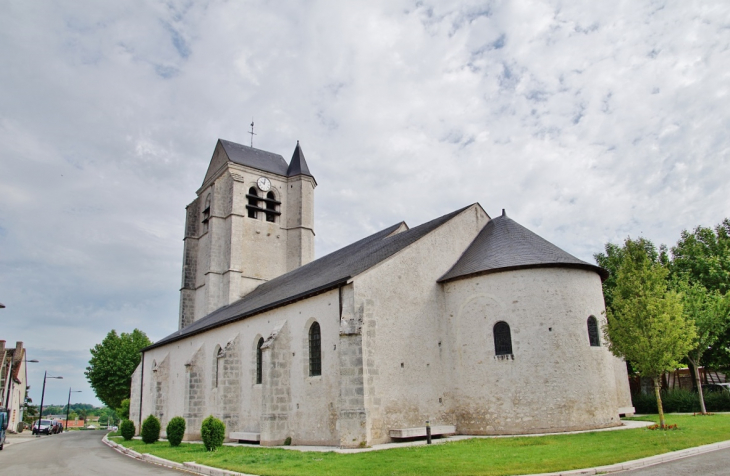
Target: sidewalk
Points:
(16, 438)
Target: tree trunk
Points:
(657, 387)
(696, 367)
(692, 375)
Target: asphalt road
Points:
(714, 463)
(77, 453)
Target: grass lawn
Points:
(492, 456)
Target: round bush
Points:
(127, 429)
(213, 433)
(150, 429)
(175, 430)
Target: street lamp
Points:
(43, 394)
(68, 405)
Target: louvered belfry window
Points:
(593, 335)
(270, 207)
(315, 350)
(259, 362)
(502, 339)
(253, 202)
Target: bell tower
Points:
(252, 220)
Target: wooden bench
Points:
(436, 430)
(244, 436)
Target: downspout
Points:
(141, 392)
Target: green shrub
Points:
(150, 429)
(127, 429)
(681, 401)
(175, 430)
(213, 433)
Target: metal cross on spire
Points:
(252, 132)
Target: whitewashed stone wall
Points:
(555, 380)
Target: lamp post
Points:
(43, 395)
(68, 405)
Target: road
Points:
(77, 453)
(714, 463)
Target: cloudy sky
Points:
(587, 123)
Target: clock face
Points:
(264, 184)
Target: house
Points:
(471, 322)
(13, 378)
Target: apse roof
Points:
(503, 245)
(321, 275)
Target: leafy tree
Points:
(73, 415)
(708, 311)
(646, 324)
(112, 365)
(123, 410)
(703, 257)
(83, 414)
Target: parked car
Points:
(57, 426)
(46, 426)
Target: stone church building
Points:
(473, 323)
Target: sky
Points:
(587, 121)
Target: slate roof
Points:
(504, 245)
(258, 159)
(323, 274)
(267, 161)
(297, 165)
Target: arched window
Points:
(315, 350)
(253, 202)
(271, 207)
(259, 362)
(593, 336)
(502, 339)
(206, 213)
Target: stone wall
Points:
(554, 380)
(196, 389)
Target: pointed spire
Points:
(298, 166)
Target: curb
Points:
(612, 468)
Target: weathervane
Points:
(252, 132)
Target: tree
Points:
(646, 324)
(123, 410)
(112, 365)
(708, 312)
(703, 257)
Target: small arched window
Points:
(220, 355)
(259, 362)
(593, 336)
(502, 339)
(253, 202)
(271, 207)
(315, 350)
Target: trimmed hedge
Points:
(127, 429)
(175, 431)
(681, 401)
(213, 433)
(150, 429)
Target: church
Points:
(471, 322)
